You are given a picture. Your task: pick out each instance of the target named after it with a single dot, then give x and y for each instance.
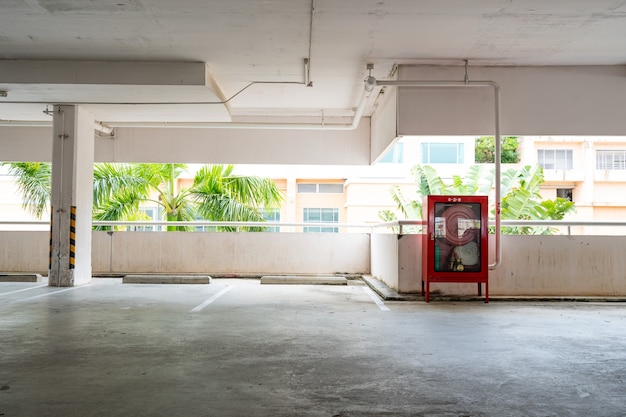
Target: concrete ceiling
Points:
(265, 42)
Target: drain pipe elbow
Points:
(370, 83)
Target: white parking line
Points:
(23, 289)
(199, 307)
(49, 293)
(376, 299)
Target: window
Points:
(271, 215)
(395, 155)
(555, 158)
(331, 188)
(443, 153)
(566, 193)
(611, 159)
(321, 215)
(307, 188)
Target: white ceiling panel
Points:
(265, 42)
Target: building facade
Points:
(590, 171)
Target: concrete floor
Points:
(238, 348)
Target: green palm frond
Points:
(474, 179)
(518, 204)
(254, 191)
(111, 179)
(458, 186)
(558, 208)
(429, 182)
(180, 208)
(469, 183)
(121, 205)
(223, 208)
(411, 209)
(222, 196)
(508, 180)
(34, 180)
(531, 178)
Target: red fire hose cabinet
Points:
(454, 247)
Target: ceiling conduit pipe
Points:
(358, 114)
(98, 126)
(107, 129)
(25, 123)
(498, 144)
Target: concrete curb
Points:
(303, 280)
(166, 279)
(20, 277)
(389, 294)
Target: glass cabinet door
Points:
(457, 237)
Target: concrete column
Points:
(72, 197)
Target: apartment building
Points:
(591, 171)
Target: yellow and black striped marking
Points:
(73, 237)
(50, 250)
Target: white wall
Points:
(581, 100)
(384, 255)
(410, 263)
(384, 123)
(221, 146)
(25, 144)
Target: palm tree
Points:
(34, 182)
(220, 195)
(216, 194)
(119, 189)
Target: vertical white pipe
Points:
(498, 144)
(498, 163)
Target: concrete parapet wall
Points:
(531, 265)
(230, 253)
(24, 251)
(199, 253)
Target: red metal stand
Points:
(454, 246)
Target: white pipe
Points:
(210, 125)
(358, 114)
(498, 151)
(108, 128)
(98, 126)
(25, 123)
(498, 163)
(104, 129)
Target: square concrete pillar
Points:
(72, 196)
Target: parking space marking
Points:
(376, 299)
(49, 293)
(200, 307)
(23, 289)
